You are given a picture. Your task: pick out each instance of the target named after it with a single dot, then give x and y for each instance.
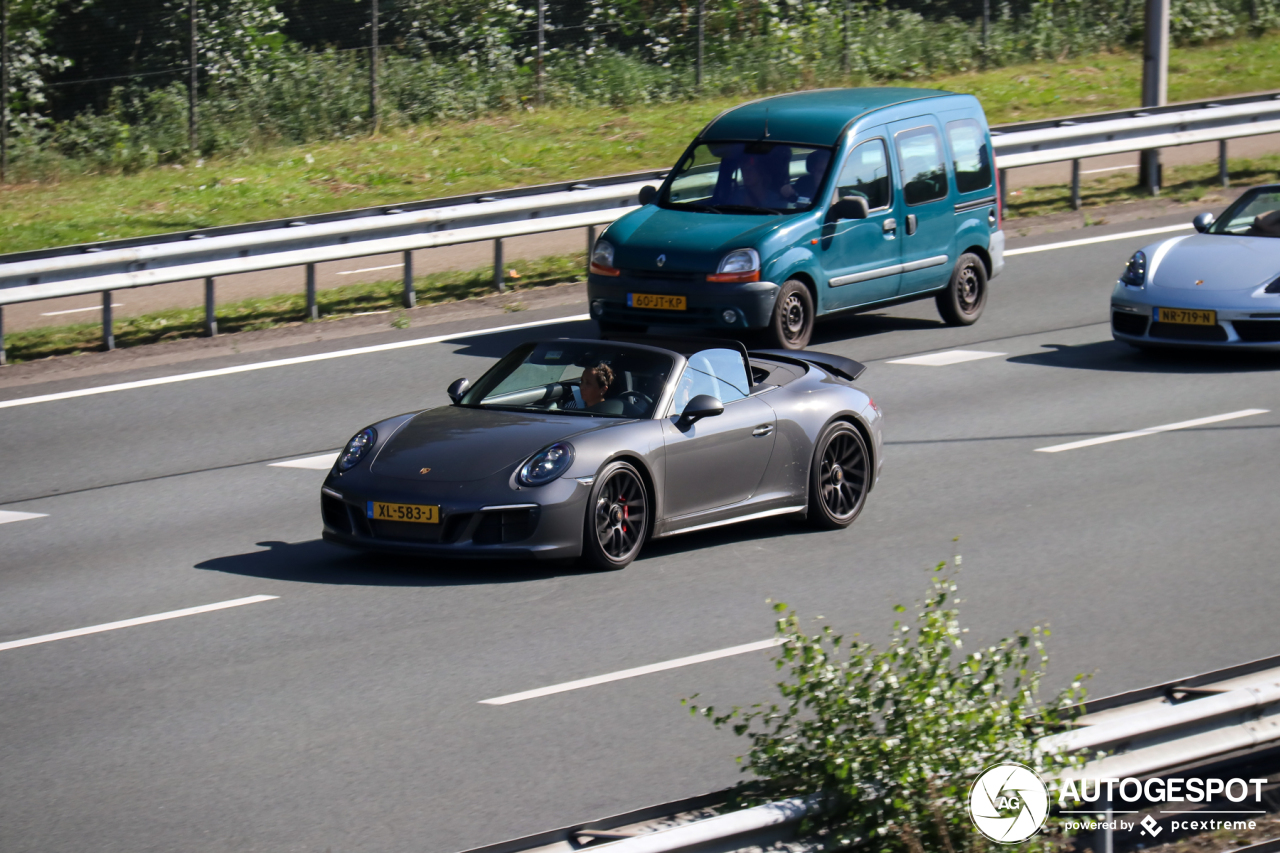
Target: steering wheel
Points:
(636, 398)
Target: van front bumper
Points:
(708, 305)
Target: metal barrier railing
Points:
(306, 241)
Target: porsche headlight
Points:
(357, 448)
(740, 260)
(546, 465)
(603, 253)
(1135, 273)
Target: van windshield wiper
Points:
(694, 206)
(746, 208)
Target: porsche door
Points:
(719, 460)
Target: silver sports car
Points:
(1217, 288)
(569, 448)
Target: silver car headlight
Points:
(1135, 272)
(546, 465)
(357, 448)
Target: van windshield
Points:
(762, 178)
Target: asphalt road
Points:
(345, 713)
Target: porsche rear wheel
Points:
(838, 477)
(617, 517)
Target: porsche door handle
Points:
(762, 430)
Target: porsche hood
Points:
(453, 444)
(1208, 262)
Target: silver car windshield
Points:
(588, 379)
(1254, 214)
(755, 178)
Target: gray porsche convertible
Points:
(588, 448)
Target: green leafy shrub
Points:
(893, 738)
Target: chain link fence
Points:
(125, 84)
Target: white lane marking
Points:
(1146, 232)
(372, 269)
(129, 623)
(283, 362)
(78, 310)
(7, 516)
(1108, 169)
(632, 673)
(323, 462)
(1138, 433)
(941, 359)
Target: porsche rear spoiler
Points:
(845, 368)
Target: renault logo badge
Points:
(662, 259)
(425, 471)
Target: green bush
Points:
(892, 739)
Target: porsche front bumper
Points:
(545, 523)
(1253, 326)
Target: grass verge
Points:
(291, 309)
(529, 147)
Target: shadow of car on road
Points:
(1120, 357)
(498, 344)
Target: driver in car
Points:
(594, 383)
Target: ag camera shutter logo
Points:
(1008, 803)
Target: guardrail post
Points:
(2, 361)
(1222, 163)
(1105, 841)
(591, 243)
(313, 312)
(108, 333)
(1075, 184)
(499, 271)
(1151, 171)
(1004, 188)
(410, 298)
(210, 315)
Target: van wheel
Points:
(792, 323)
(962, 302)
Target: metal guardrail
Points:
(211, 253)
(1199, 721)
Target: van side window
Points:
(866, 174)
(972, 159)
(924, 173)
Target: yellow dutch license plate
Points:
(657, 300)
(403, 512)
(1186, 316)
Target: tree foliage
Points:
(893, 738)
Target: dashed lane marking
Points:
(1106, 238)
(632, 673)
(283, 362)
(129, 623)
(1138, 433)
(7, 516)
(941, 359)
(323, 462)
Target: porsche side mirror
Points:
(647, 194)
(701, 406)
(849, 207)
(1203, 221)
(457, 389)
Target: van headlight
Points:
(602, 259)
(738, 265)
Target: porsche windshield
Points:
(1255, 214)
(762, 178)
(586, 378)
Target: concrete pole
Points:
(373, 66)
(4, 91)
(542, 41)
(193, 127)
(1155, 80)
(702, 28)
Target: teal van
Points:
(802, 205)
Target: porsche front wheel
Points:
(617, 517)
(838, 477)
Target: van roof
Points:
(815, 117)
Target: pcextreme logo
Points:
(1008, 802)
